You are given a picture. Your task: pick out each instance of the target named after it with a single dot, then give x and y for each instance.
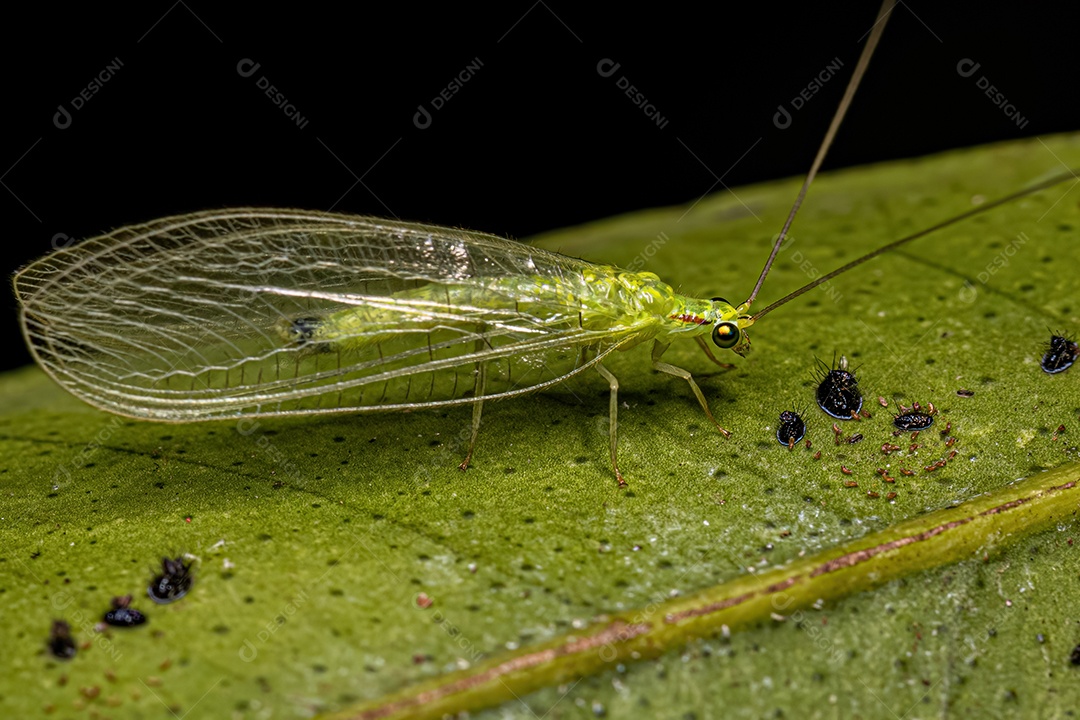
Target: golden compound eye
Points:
(726, 334)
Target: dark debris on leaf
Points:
(61, 643)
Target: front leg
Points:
(658, 350)
(708, 353)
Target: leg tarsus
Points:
(478, 409)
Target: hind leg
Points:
(613, 411)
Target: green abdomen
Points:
(423, 344)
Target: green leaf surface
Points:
(317, 537)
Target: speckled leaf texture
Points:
(344, 559)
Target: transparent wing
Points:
(267, 312)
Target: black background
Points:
(537, 139)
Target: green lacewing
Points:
(266, 312)
(253, 312)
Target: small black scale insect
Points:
(60, 642)
(914, 420)
(838, 391)
(791, 429)
(1060, 354)
(301, 332)
(123, 616)
(172, 584)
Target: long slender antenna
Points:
(1073, 174)
(853, 84)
